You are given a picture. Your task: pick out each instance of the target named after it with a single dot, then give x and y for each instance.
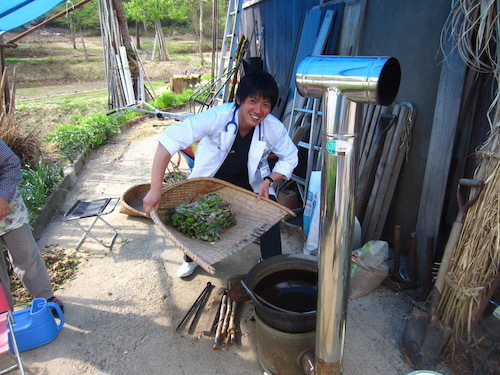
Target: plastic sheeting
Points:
(15, 13)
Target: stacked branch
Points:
(226, 326)
(159, 41)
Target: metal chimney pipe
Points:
(342, 82)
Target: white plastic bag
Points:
(311, 214)
(368, 267)
(312, 201)
(312, 242)
(312, 217)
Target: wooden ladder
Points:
(305, 116)
(228, 51)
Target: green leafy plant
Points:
(38, 182)
(203, 219)
(169, 99)
(81, 133)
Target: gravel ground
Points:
(123, 306)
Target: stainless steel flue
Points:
(342, 82)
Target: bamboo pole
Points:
(227, 315)
(368, 167)
(384, 198)
(397, 154)
(12, 97)
(232, 324)
(218, 335)
(372, 125)
(144, 73)
(2, 90)
(368, 109)
(368, 224)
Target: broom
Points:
(476, 257)
(474, 27)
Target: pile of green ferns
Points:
(203, 219)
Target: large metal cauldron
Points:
(284, 290)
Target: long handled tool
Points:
(425, 335)
(196, 303)
(200, 307)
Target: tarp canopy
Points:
(15, 13)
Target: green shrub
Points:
(37, 184)
(168, 99)
(81, 133)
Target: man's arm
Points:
(10, 177)
(160, 162)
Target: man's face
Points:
(253, 110)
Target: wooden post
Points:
(5, 84)
(202, 62)
(444, 127)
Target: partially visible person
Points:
(236, 140)
(16, 234)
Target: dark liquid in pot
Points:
(293, 290)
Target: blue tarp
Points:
(15, 13)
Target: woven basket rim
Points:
(127, 209)
(167, 188)
(239, 243)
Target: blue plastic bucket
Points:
(36, 326)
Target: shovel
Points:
(425, 335)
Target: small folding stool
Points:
(96, 209)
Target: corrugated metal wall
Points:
(277, 23)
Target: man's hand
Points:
(264, 189)
(151, 200)
(4, 208)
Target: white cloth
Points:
(216, 142)
(17, 217)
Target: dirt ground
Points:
(122, 308)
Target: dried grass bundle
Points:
(26, 146)
(477, 256)
(474, 26)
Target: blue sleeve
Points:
(10, 172)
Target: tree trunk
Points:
(137, 38)
(122, 23)
(72, 35)
(6, 93)
(164, 55)
(201, 34)
(84, 46)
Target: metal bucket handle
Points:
(258, 298)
